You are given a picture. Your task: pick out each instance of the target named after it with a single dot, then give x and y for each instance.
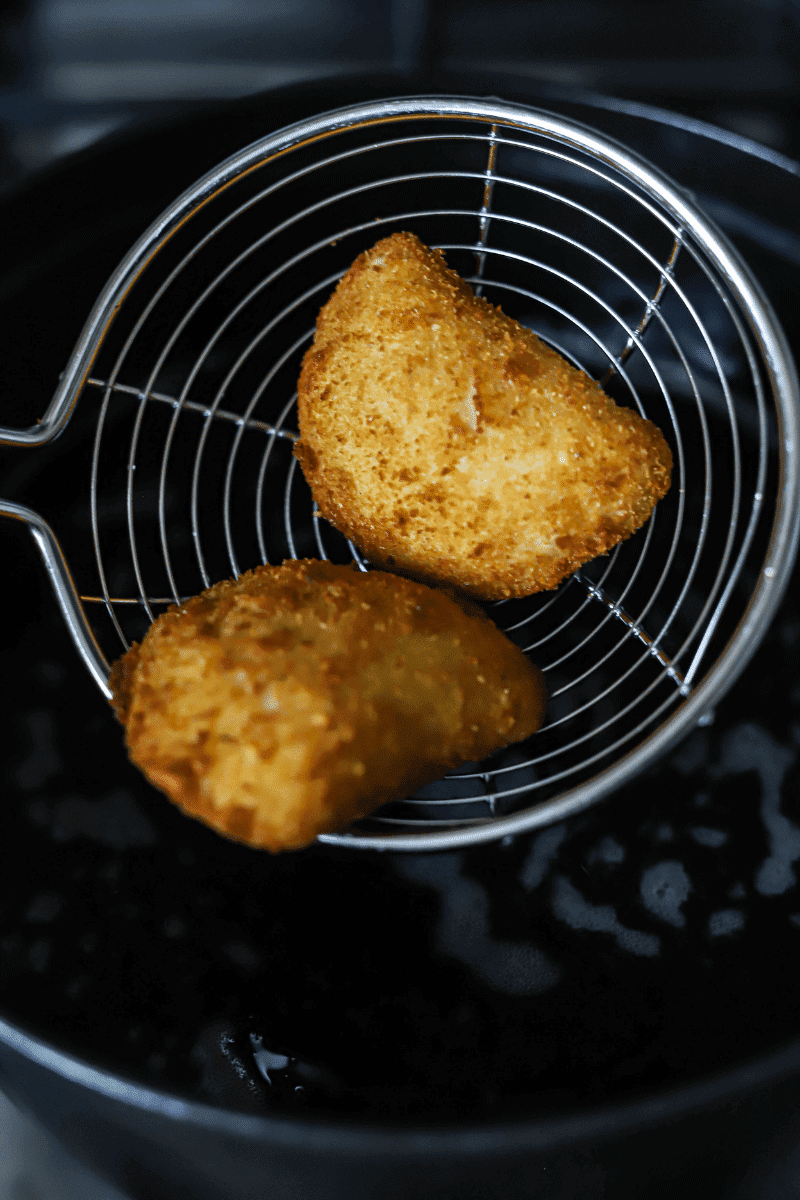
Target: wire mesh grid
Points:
(193, 478)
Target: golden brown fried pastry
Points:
(296, 699)
(449, 443)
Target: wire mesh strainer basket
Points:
(189, 362)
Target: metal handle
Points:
(55, 418)
(36, 435)
(64, 589)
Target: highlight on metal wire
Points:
(188, 367)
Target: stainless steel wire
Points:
(194, 351)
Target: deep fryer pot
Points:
(605, 1007)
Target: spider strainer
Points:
(190, 359)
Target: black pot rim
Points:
(394, 82)
(330, 1136)
(325, 1135)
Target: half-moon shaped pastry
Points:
(449, 443)
(296, 699)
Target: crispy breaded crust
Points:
(449, 443)
(296, 699)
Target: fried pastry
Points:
(450, 444)
(296, 699)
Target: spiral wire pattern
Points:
(193, 478)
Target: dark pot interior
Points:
(613, 1000)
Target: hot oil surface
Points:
(650, 940)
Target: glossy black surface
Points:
(651, 940)
(644, 944)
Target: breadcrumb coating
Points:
(296, 699)
(450, 444)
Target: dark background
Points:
(72, 71)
